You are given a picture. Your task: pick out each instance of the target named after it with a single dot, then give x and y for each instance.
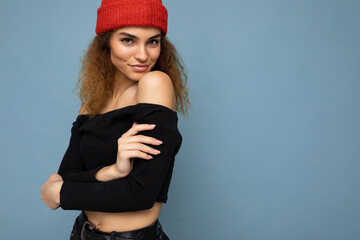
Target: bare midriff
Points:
(124, 221)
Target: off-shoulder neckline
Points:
(131, 106)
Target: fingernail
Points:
(152, 125)
(150, 157)
(158, 141)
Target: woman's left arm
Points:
(140, 189)
(50, 191)
(72, 169)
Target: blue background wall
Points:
(272, 146)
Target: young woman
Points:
(118, 165)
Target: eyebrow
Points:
(133, 36)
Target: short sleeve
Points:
(140, 189)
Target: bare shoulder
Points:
(156, 87)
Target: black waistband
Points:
(149, 232)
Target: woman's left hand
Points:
(50, 191)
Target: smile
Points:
(139, 68)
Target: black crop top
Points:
(93, 145)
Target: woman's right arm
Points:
(139, 190)
(130, 145)
(72, 167)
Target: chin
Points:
(137, 76)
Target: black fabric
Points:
(81, 229)
(93, 145)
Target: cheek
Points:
(120, 54)
(155, 53)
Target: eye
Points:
(153, 42)
(127, 40)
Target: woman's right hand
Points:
(131, 146)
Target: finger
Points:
(138, 154)
(140, 147)
(137, 128)
(143, 139)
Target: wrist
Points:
(58, 186)
(109, 173)
(116, 173)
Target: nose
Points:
(141, 53)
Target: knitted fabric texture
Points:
(113, 14)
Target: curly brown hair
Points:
(97, 74)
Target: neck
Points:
(120, 85)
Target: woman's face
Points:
(134, 50)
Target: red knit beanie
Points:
(113, 14)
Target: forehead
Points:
(138, 30)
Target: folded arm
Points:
(72, 167)
(138, 190)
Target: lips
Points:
(139, 67)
